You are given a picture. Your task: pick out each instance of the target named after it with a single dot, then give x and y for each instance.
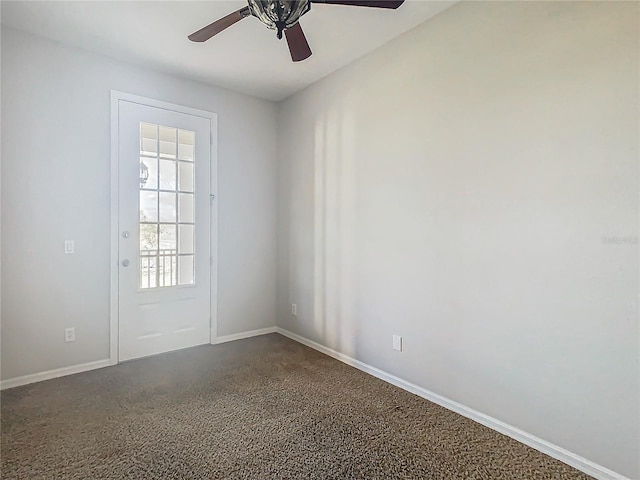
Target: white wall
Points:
(56, 186)
(454, 187)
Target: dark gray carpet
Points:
(265, 407)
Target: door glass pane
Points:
(168, 142)
(148, 237)
(167, 255)
(185, 244)
(168, 240)
(148, 269)
(186, 273)
(185, 207)
(166, 217)
(148, 173)
(148, 139)
(148, 206)
(167, 174)
(167, 207)
(185, 177)
(186, 145)
(148, 249)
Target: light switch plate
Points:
(70, 334)
(69, 247)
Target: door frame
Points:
(116, 97)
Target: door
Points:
(164, 220)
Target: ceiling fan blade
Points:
(393, 4)
(216, 27)
(298, 45)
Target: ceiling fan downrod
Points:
(280, 24)
(279, 15)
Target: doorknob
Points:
(125, 234)
(125, 262)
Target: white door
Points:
(164, 186)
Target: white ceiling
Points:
(246, 57)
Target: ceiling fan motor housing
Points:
(279, 14)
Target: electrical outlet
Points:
(70, 334)
(294, 309)
(397, 343)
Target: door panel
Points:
(164, 221)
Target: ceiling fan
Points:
(283, 16)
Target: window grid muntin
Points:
(157, 157)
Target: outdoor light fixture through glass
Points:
(144, 174)
(279, 14)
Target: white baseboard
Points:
(85, 367)
(559, 453)
(241, 335)
(48, 375)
